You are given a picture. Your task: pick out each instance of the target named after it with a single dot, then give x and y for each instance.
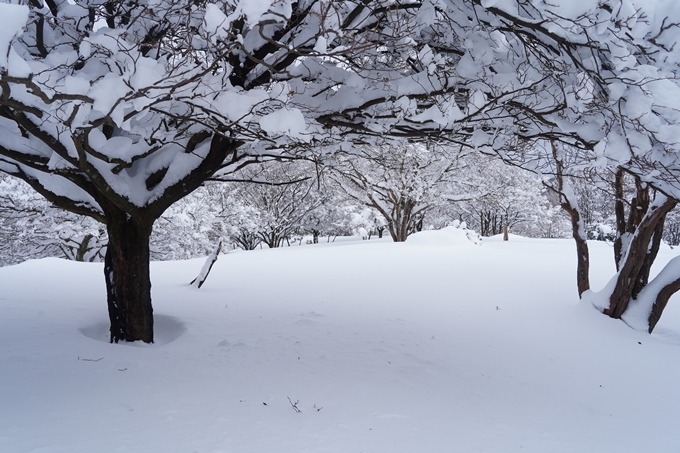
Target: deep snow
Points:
(428, 346)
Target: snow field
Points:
(426, 346)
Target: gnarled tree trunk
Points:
(626, 229)
(637, 258)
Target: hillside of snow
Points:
(433, 345)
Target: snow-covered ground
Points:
(434, 345)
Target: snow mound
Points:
(166, 330)
(449, 236)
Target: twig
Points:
(90, 360)
(294, 404)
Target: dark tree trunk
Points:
(399, 234)
(619, 209)
(652, 251)
(661, 302)
(582, 252)
(402, 220)
(272, 239)
(578, 233)
(495, 224)
(419, 223)
(625, 228)
(128, 282)
(83, 248)
(483, 225)
(577, 230)
(638, 258)
(126, 266)
(505, 233)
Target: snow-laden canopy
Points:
(134, 95)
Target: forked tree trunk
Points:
(639, 256)
(401, 220)
(639, 207)
(635, 249)
(652, 252)
(128, 282)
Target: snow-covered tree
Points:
(327, 219)
(671, 232)
(639, 224)
(280, 198)
(239, 223)
(509, 198)
(402, 182)
(117, 109)
(189, 228)
(30, 227)
(608, 99)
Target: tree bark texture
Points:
(401, 219)
(619, 209)
(83, 248)
(638, 258)
(661, 302)
(625, 228)
(128, 283)
(582, 252)
(578, 233)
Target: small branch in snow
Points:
(90, 360)
(294, 404)
(203, 275)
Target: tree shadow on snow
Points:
(166, 330)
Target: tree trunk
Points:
(652, 252)
(619, 209)
(505, 233)
(402, 220)
(83, 248)
(661, 302)
(207, 267)
(128, 281)
(638, 257)
(582, 252)
(569, 204)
